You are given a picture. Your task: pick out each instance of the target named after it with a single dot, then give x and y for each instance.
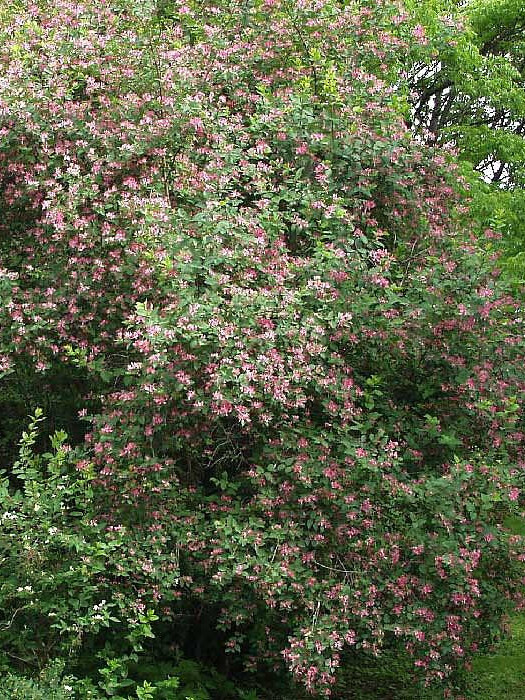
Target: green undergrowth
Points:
(501, 674)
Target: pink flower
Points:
(419, 33)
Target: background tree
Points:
(467, 89)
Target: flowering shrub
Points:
(307, 380)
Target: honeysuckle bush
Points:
(300, 376)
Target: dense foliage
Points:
(291, 378)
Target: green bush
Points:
(50, 685)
